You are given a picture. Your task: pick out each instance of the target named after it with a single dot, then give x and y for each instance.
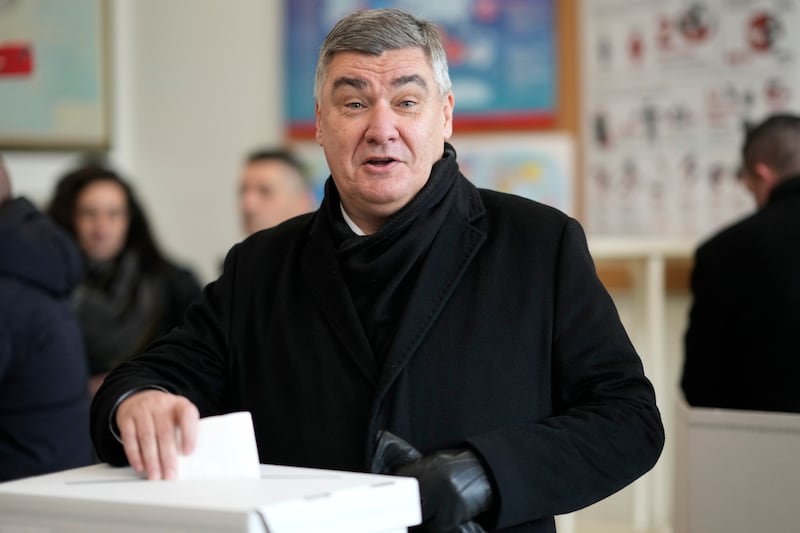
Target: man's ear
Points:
(448, 104)
(766, 174)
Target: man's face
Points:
(382, 125)
(101, 220)
(271, 191)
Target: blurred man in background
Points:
(274, 187)
(743, 339)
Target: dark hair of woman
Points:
(139, 239)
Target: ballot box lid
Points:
(284, 500)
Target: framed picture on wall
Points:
(54, 74)
(502, 58)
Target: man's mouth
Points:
(380, 161)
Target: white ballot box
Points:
(101, 498)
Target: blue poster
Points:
(501, 55)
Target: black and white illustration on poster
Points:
(669, 88)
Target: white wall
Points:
(195, 85)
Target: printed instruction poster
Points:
(668, 89)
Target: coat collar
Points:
(788, 188)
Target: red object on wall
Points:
(764, 31)
(16, 59)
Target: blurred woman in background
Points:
(131, 293)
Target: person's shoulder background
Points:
(767, 235)
(183, 288)
(43, 372)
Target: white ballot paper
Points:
(225, 449)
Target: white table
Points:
(736, 471)
(100, 498)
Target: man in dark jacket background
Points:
(44, 402)
(742, 346)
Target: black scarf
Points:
(380, 269)
(119, 308)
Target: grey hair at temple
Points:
(374, 32)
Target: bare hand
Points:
(148, 423)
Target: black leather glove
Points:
(452, 483)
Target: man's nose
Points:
(382, 127)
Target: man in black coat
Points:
(44, 400)
(742, 345)
(413, 325)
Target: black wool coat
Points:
(508, 344)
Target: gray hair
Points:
(375, 31)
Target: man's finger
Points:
(166, 432)
(148, 446)
(130, 442)
(187, 419)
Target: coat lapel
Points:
(322, 273)
(450, 254)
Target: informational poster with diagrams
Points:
(668, 89)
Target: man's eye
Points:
(354, 105)
(408, 103)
